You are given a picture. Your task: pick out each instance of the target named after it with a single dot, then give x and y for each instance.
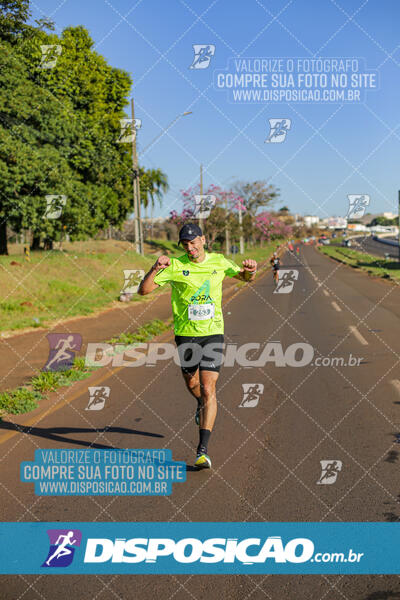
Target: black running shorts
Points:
(204, 352)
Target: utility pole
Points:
(136, 188)
(226, 227)
(241, 243)
(201, 197)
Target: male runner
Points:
(196, 280)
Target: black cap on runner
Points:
(189, 232)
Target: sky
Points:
(319, 152)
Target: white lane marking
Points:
(396, 384)
(336, 306)
(326, 292)
(358, 335)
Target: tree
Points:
(98, 93)
(153, 183)
(13, 17)
(221, 216)
(382, 221)
(256, 195)
(270, 228)
(59, 131)
(30, 163)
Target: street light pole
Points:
(165, 130)
(136, 188)
(139, 224)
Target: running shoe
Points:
(203, 461)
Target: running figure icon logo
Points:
(55, 204)
(50, 54)
(357, 205)
(63, 543)
(132, 279)
(251, 394)
(286, 281)
(62, 351)
(204, 203)
(330, 470)
(128, 131)
(202, 56)
(278, 129)
(98, 397)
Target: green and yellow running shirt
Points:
(197, 292)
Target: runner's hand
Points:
(250, 265)
(161, 262)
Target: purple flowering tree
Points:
(222, 216)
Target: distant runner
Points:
(276, 265)
(196, 281)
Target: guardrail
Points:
(383, 241)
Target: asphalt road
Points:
(266, 459)
(375, 247)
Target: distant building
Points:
(388, 229)
(337, 222)
(357, 227)
(154, 219)
(310, 220)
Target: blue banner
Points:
(199, 548)
(117, 472)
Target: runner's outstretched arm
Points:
(148, 285)
(248, 272)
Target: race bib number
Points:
(201, 312)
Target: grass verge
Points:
(144, 334)
(258, 253)
(79, 280)
(26, 398)
(76, 281)
(387, 269)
